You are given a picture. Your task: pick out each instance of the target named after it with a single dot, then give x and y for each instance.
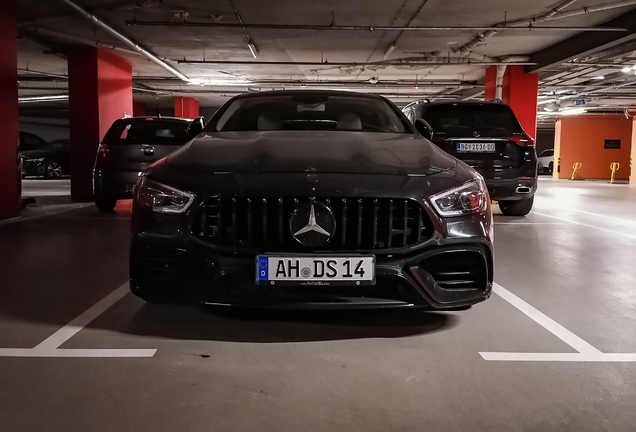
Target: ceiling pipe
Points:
(81, 40)
(369, 28)
(117, 7)
(554, 14)
(126, 40)
(353, 64)
(501, 70)
(591, 9)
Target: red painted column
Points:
(490, 86)
(186, 107)
(139, 109)
(520, 92)
(100, 92)
(10, 180)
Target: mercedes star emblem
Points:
(312, 224)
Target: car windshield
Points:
(147, 131)
(309, 113)
(56, 145)
(459, 120)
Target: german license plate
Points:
(316, 270)
(475, 147)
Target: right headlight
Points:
(469, 198)
(161, 198)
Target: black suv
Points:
(129, 147)
(488, 137)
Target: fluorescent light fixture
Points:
(626, 69)
(196, 81)
(217, 82)
(598, 77)
(252, 48)
(52, 98)
(571, 111)
(390, 50)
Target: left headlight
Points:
(32, 160)
(161, 198)
(469, 198)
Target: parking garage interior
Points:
(552, 349)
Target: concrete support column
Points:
(632, 159)
(186, 107)
(139, 109)
(100, 91)
(10, 178)
(520, 91)
(595, 142)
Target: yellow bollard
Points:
(614, 166)
(577, 166)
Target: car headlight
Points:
(161, 198)
(38, 160)
(469, 198)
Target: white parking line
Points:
(621, 233)
(50, 346)
(586, 352)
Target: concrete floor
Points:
(565, 308)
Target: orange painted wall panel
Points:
(582, 139)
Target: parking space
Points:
(565, 276)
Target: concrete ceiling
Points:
(49, 25)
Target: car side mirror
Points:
(196, 127)
(424, 128)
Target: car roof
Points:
(309, 93)
(156, 118)
(455, 102)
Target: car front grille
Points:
(262, 223)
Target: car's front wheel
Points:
(52, 170)
(551, 167)
(516, 208)
(105, 203)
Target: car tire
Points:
(550, 167)
(516, 208)
(105, 203)
(52, 170)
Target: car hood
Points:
(305, 151)
(32, 154)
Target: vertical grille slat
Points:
(280, 220)
(359, 242)
(249, 222)
(390, 239)
(406, 223)
(375, 223)
(234, 226)
(265, 220)
(219, 219)
(262, 223)
(344, 221)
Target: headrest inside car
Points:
(270, 121)
(349, 121)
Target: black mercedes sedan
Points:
(312, 199)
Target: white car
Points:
(546, 161)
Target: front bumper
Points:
(183, 268)
(32, 168)
(117, 184)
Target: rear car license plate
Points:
(315, 270)
(475, 147)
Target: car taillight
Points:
(522, 140)
(103, 152)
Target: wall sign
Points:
(612, 144)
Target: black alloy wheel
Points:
(52, 170)
(516, 208)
